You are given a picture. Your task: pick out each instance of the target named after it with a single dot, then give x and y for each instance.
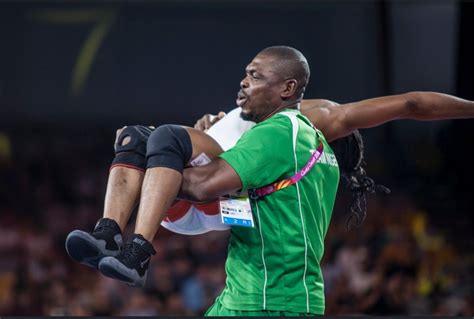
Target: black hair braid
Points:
(349, 152)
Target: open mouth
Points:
(241, 98)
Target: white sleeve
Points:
(229, 129)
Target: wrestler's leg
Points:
(123, 188)
(169, 148)
(123, 185)
(161, 186)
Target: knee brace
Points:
(169, 146)
(132, 152)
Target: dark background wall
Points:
(164, 61)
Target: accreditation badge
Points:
(200, 160)
(236, 211)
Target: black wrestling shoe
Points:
(90, 248)
(131, 265)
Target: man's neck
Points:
(289, 105)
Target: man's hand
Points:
(208, 120)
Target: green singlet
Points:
(276, 265)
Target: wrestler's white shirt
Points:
(229, 129)
(194, 221)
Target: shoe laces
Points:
(101, 229)
(130, 251)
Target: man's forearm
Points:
(421, 106)
(427, 106)
(191, 187)
(206, 183)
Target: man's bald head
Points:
(290, 64)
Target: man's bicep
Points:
(307, 104)
(342, 120)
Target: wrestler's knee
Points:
(130, 145)
(169, 146)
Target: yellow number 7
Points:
(103, 21)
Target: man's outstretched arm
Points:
(337, 121)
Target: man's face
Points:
(260, 89)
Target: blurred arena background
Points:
(72, 72)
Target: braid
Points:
(349, 152)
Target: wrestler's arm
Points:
(205, 183)
(339, 121)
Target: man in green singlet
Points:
(274, 267)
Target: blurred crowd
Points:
(398, 262)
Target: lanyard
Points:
(271, 188)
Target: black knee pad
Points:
(169, 146)
(133, 153)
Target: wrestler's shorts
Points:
(189, 218)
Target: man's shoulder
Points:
(270, 132)
(294, 119)
(276, 121)
(275, 128)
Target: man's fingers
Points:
(205, 122)
(208, 121)
(199, 125)
(212, 119)
(221, 115)
(216, 118)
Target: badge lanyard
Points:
(271, 188)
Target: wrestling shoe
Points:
(90, 248)
(131, 265)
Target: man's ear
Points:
(290, 88)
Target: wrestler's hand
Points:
(117, 134)
(208, 120)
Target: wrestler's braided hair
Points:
(349, 153)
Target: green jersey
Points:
(276, 264)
